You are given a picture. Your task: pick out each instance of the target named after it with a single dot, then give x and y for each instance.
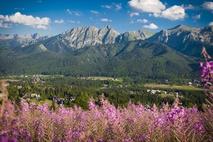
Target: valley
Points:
(70, 91)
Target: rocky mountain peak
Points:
(186, 39)
(208, 28)
(80, 37)
(183, 28)
(133, 35)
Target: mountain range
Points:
(84, 51)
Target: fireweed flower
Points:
(207, 73)
(92, 105)
(105, 122)
(4, 138)
(102, 123)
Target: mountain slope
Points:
(133, 59)
(152, 61)
(185, 39)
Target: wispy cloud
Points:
(142, 21)
(60, 21)
(188, 7)
(39, 1)
(94, 12)
(196, 17)
(151, 26)
(118, 6)
(106, 6)
(19, 8)
(132, 14)
(158, 9)
(115, 6)
(211, 23)
(22, 19)
(106, 20)
(73, 22)
(72, 12)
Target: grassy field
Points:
(175, 87)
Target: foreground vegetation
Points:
(104, 122)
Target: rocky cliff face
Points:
(75, 38)
(206, 34)
(133, 35)
(89, 36)
(186, 39)
(80, 37)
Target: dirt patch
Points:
(3, 88)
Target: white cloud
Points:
(196, 17)
(151, 26)
(211, 23)
(106, 20)
(142, 21)
(208, 5)
(75, 13)
(172, 13)
(28, 20)
(94, 12)
(60, 21)
(132, 14)
(158, 9)
(150, 6)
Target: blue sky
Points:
(50, 17)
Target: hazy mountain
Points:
(185, 39)
(15, 40)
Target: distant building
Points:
(190, 83)
(37, 79)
